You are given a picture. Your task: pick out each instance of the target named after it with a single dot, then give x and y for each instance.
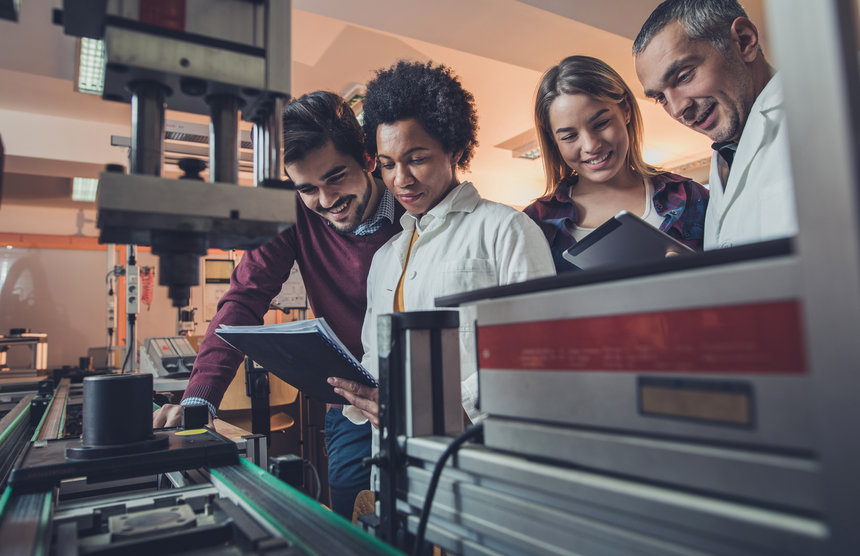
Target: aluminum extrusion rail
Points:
(55, 416)
(23, 523)
(14, 429)
(300, 520)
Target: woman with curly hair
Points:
(421, 126)
(590, 135)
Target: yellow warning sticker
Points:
(190, 432)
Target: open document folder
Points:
(301, 353)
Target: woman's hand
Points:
(365, 398)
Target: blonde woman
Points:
(590, 134)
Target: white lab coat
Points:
(464, 243)
(757, 203)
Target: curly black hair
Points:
(431, 94)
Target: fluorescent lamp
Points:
(353, 94)
(525, 145)
(532, 154)
(84, 189)
(91, 66)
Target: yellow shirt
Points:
(398, 293)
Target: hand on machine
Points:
(170, 415)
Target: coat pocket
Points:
(465, 275)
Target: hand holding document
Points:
(301, 353)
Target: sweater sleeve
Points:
(256, 280)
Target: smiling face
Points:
(415, 167)
(707, 89)
(335, 186)
(591, 136)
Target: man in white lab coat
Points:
(702, 61)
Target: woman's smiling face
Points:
(591, 135)
(414, 165)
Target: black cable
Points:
(117, 271)
(109, 281)
(316, 477)
(472, 432)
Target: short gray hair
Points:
(708, 20)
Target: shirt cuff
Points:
(198, 401)
(469, 394)
(354, 415)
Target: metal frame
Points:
(823, 71)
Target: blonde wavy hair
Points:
(595, 78)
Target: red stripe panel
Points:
(753, 338)
(163, 13)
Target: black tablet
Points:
(623, 239)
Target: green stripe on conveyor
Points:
(26, 520)
(62, 426)
(14, 424)
(301, 520)
(5, 500)
(42, 420)
(44, 523)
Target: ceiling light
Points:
(84, 189)
(525, 145)
(187, 139)
(354, 96)
(530, 154)
(91, 66)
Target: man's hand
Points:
(168, 415)
(365, 398)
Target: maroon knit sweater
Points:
(334, 268)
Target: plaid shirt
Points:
(679, 200)
(384, 212)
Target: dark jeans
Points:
(347, 444)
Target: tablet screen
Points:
(623, 239)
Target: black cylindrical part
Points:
(179, 262)
(117, 410)
(275, 132)
(179, 271)
(147, 127)
(223, 139)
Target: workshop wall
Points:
(57, 292)
(63, 293)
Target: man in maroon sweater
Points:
(343, 216)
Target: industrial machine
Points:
(90, 476)
(171, 357)
(81, 468)
(213, 57)
(37, 342)
(703, 405)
